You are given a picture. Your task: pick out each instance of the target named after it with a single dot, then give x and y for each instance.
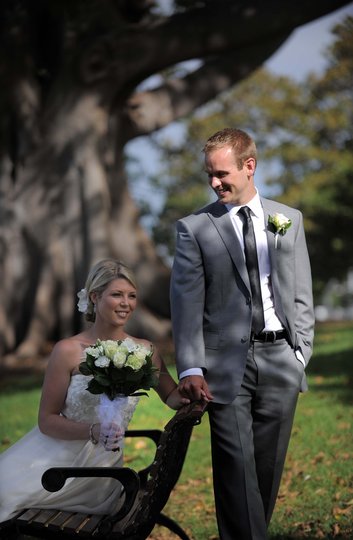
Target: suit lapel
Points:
(222, 221)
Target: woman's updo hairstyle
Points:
(101, 274)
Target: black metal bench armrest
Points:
(54, 479)
(154, 434)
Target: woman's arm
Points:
(167, 388)
(64, 358)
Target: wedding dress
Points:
(22, 465)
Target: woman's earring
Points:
(94, 308)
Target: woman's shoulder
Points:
(143, 342)
(67, 353)
(70, 345)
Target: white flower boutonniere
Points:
(279, 223)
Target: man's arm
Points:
(187, 309)
(187, 296)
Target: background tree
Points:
(305, 136)
(69, 103)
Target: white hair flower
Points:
(82, 303)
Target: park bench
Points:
(145, 493)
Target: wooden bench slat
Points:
(59, 521)
(75, 522)
(28, 515)
(38, 516)
(90, 525)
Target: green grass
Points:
(316, 495)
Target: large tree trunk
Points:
(80, 212)
(66, 112)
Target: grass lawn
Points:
(316, 495)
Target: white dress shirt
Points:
(272, 323)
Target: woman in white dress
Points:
(69, 432)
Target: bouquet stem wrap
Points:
(117, 411)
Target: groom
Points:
(242, 313)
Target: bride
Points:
(69, 432)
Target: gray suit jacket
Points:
(211, 298)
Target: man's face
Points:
(231, 185)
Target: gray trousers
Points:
(249, 439)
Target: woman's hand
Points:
(109, 435)
(175, 400)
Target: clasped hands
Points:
(195, 388)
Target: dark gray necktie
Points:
(258, 321)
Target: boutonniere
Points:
(279, 224)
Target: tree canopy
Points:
(71, 102)
(304, 134)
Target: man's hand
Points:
(195, 388)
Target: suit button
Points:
(244, 339)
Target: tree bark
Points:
(70, 104)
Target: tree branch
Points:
(151, 110)
(217, 28)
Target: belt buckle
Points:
(270, 336)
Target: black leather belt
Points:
(269, 336)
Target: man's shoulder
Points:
(213, 208)
(274, 206)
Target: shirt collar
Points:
(254, 204)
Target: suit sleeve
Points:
(304, 310)
(187, 296)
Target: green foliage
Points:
(304, 135)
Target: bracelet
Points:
(91, 436)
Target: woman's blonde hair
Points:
(99, 277)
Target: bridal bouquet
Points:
(119, 370)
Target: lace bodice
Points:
(80, 404)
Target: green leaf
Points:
(94, 387)
(102, 379)
(84, 369)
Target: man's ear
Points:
(250, 166)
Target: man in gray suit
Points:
(243, 330)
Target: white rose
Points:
(110, 347)
(93, 351)
(129, 344)
(134, 362)
(280, 220)
(141, 355)
(119, 359)
(102, 361)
